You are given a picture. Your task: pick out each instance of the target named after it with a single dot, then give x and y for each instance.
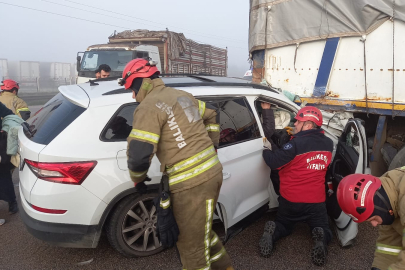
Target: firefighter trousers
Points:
(290, 213)
(198, 245)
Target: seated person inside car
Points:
(227, 136)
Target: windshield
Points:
(117, 60)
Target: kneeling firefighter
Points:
(183, 132)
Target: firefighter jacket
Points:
(302, 165)
(16, 104)
(390, 247)
(181, 130)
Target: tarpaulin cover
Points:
(296, 21)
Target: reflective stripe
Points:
(212, 127)
(137, 174)
(218, 256)
(181, 166)
(165, 204)
(23, 110)
(214, 240)
(209, 210)
(205, 268)
(201, 108)
(178, 178)
(144, 135)
(390, 250)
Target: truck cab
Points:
(114, 55)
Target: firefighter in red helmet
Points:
(380, 201)
(9, 98)
(183, 132)
(302, 165)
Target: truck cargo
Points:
(173, 52)
(346, 58)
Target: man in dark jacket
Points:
(7, 192)
(302, 165)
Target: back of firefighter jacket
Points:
(16, 104)
(180, 129)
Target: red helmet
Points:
(137, 68)
(8, 85)
(355, 195)
(226, 132)
(310, 113)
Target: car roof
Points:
(107, 91)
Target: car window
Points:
(237, 122)
(52, 119)
(120, 125)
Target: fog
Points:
(31, 32)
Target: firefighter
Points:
(9, 98)
(380, 201)
(183, 133)
(302, 165)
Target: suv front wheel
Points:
(131, 229)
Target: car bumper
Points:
(64, 235)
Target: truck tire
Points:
(398, 160)
(131, 229)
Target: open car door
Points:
(350, 157)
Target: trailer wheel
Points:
(398, 160)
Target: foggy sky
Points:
(29, 35)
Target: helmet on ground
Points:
(310, 113)
(226, 132)
(8, 85)
(355, 195)
(137, 68)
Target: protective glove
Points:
(140, 187)
(168, 231)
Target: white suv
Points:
(74, 179)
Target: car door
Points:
(350, 157)
(246, 176)
(117, 131)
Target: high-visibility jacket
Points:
(16, 104)
(390, 247)
(181, 130)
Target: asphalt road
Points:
(20, 250)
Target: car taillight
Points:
(72, 173)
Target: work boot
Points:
(13, 207)
(319, 251)
(266, 242)
(2, 221)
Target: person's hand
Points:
(265, 106)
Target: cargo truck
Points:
(173, 52)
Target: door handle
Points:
(226, 175)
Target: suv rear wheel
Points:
(131, 229)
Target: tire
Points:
(398, 160)
(131, 229)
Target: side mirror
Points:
(78, 64)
